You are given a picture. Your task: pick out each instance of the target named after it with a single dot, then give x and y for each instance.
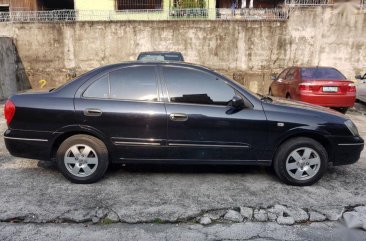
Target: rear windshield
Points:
(321, 74)
(161, 57)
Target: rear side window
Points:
(131, 83)
(99, 89)
(321, 74)
(135, 83)
(186, 85)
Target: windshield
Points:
(321, 74)
(161, 57)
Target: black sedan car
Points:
(171, 112)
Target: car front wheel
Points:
(82, 159)
(300, 161)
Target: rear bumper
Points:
(20, 144)
(329, 100)
(347, 150)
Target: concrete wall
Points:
(312, 36)
(7, 68)
(12, 74)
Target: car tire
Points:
(82, 159)
(292, 165)
(343, 110)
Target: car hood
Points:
(305, 106)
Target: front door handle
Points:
(92, 112)
(178, 117)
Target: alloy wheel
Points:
(303, 163)
(81, 160)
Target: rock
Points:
(78, 215)
(101, 212)
(285, 220)
(332, 214)
(353, 220)
(275, 212)
(205, 220)
(113, 217)
(215, 215)
(361, 209)
(233, 216)
(95, 219)
(260, 215)
(298, 214)
(316, 217)
(246, 212)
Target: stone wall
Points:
(53, 52)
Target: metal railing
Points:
(309, 2)
(145, 14)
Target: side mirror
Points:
(273, 77)
(237, 102)
(358, 76)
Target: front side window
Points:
(186, 85)
(283, 74)
(291, 74)
(131, 83)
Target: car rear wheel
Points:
(300, 161)
(82, 159)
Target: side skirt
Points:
(195, 162)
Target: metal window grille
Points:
(139, 4)
(145, 14)
(181, 4)
(309, 2)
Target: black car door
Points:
(124, 105)
(202, 125)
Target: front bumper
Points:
(32, 145)
(347, 150)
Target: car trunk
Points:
(329, 87)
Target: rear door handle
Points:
(92, 112)
(178, 117)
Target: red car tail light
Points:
(351, 88)
(9, 111)
(305, 86)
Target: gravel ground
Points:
(149, 201)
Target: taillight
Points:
(351, 88)
(305, 86)
(9, 111)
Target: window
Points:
(98, 89)
(134, 83)
(321, 73)
(291, 74)
(187, 85)
(131, 83)
(283, 74)
(139, 4)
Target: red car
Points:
(323, 86)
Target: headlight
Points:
(351, 127)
